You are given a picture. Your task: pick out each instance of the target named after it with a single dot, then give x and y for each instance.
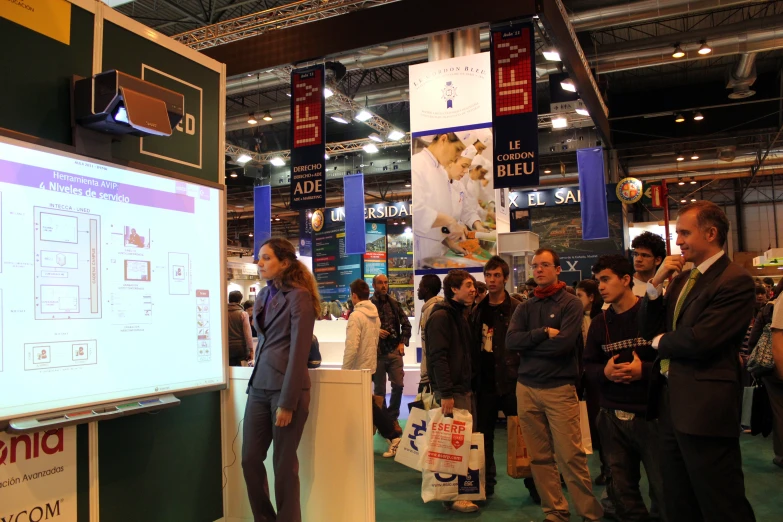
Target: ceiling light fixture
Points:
(552, 55)
(326, 155)
(680, 157)
(375, 137)
(680, 182)
(582, 112)
(277, 218)
(693, 181)
(678, 52)
(328, 93)
(277, 161)
(698, 116)
(683, 201)
(395, 135)
(244, 158)
(408, 185)
(560, 122)
(679, 118)
(693, 200)
(704, 48)
(250, 234)
(267, 116)
(252, 119)
(547, 171)
(339, 118)
(694, 155)
(233, 175)
(370, 148)
(568, 85)
(363, 115)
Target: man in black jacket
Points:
(395, 334)
(449, 352)
(497, 367)
(621, 362)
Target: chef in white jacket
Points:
(433, 196)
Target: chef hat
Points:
(480, 161)
(470, 152)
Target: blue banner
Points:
(353, 193)
(262, 217)
(514, 111)
(308, 173)
(595, 215)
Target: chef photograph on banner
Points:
(453, 199)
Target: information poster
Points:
(400, 266)
(308, 174)
(38, 476)
(375, 258)
(334, 270)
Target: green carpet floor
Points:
(398, 488)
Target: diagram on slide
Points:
(179, 273)
(67, 268)
(131, 308)
(60, 354)
(202, 323)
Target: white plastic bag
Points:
(447, 446)
(413, 439)
(445, 487)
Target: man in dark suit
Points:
(697, 328)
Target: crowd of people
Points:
(656, 347)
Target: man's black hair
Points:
(617, 263)
(235, 297)
(454, 279)
(653, 242)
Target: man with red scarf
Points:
(546, 330)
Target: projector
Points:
(117, 103)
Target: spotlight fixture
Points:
(559, 123)
(582, 112)
(326, 155)
(267, 116)
(552, 55)
(233, 175)
(679, 118)
(547, 171)
(395, 135)
(363, 115)
(568, 85)
(395, 167)
(683, 201)
(339, 118)
(370, 148)
(693, 200)
(277, 161)
(704, 48)
(680, 182)
(328, 93)
(407, 185)
(244, 158)
(678, 52)
(680, 157)
(693, 181)
(698, 116)
(376, 138)
(277, 218)
(694, 155)
(288, 94)
(252, 119)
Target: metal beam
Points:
(332, 149)
(184, 12)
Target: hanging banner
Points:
(262, 217)
(308, 174)
(375, 257)
(595, 214)
(451, 164)
(353, 192)
(514, 115)
(38, 476)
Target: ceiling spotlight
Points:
(547, 171)
(552, 55)
(288, 94)
(407, 185)
(395, 135)
(704, 48)
(252, 119)
(328, 93)
(693, 200)
(363, 115)
(693, 181)
(326, 155)
(370, 148)
(277, 161)
(680, 182)
(250, 234)
(267, 116)
(683, 201)
(568, 85)
(559, 123)
(680, 157)
(277, 218)
(375, 137)
(244, 158)
(362, 165)
(582, 112)
(233, 175)
(339, 118)
(679, 118)
(698, 116)
(678, 52)
(694, 155)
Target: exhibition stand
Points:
(336, 467)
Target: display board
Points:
(375, 258)
(334, 269)
(104, 293)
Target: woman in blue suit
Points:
(279, 389)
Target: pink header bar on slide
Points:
(92, 188)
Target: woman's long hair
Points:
(296, 275)
(590, 287)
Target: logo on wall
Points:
(375, 227)
(629, 190)
(449, 93)
(317, 221)
(185, 143)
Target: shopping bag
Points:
(412, 439)
(447, 446)
(444, 487)
(424, 400)
(761, 361)
(517, 458)
(584, 425)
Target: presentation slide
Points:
(110, 283)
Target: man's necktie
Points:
(680, 301)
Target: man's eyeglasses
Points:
(541, 265)
(643, 255)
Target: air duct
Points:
(742, 77)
